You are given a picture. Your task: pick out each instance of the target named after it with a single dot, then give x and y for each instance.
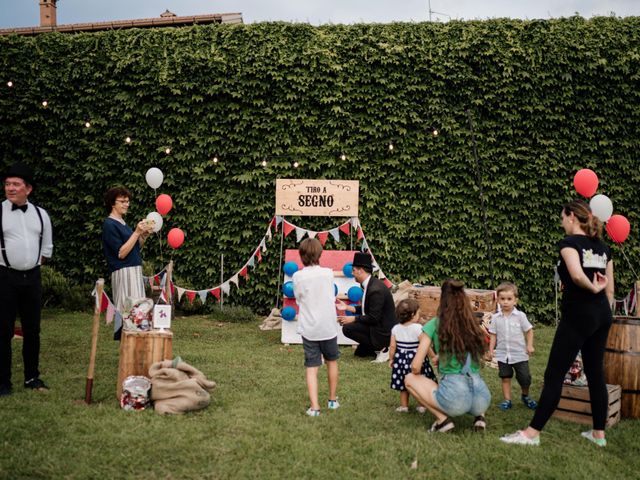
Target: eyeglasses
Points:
(124, 202)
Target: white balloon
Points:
(156, 218)
(601, 207)
(154, 177)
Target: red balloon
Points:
(586, 182)
(164, 204)
(618, 228)
(175, 237)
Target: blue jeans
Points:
(458, 394)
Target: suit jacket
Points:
(380, 310)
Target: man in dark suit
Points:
(375, 317)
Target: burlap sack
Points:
(177, 387)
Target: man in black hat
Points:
(375, 317)
(25, 241)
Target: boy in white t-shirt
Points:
(317, 322)
(512, 337)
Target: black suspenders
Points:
(2, 246)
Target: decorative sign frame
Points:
(162, 316)
(320, 198)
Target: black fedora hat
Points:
(20, 170)
(363, 260)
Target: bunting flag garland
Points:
(288, 227)
(111, 311)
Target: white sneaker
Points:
(382, 356)
(520, 438)
(420, 409)
(402, 409)
(333, 404)
(312, 413)
(601, 442)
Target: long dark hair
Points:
(459, 332)
(590, 224)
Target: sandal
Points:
(446, 426)
(506, 405)
(529, 402)
(479, 424)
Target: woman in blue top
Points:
(459, 343)
(122, 248)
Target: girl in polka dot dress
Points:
(405, 337)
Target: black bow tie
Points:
(21, 207)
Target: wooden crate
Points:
(429, 299)
(139, 350)
(575, 406)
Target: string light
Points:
(390, 146)
(167, 151)
(9, 84)
(435, 132)
(87, 125)
(296, 164)
(127, 140)
(343, 157)
(45, 103)
(264, 163)
(214, 159)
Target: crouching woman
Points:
(459, 343)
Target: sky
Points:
(25, 13)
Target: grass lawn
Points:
(255, 426)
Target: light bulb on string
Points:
(9, 84)
(167, 151)
(343, 157)
(391, 146)
(214, 159)
(127, 140)
(87, 125)
(264, 163)
(435, 132)
(296, 164)
(45, 103)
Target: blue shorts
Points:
(458, 394)
(314, 350)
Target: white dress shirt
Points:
(22, 236)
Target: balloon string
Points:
(627, 259)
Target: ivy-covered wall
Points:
(541, 99)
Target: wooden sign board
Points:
(321, 198)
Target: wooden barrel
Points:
(139, 350)
(622, 362)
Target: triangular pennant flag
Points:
(225, 288)
(273, 222)
(300, 233)
(355, 222)
(151, 281)
(190, 295)
(117, 324)
(288, 228)
(203, 296)
(322, 236)
(269, 234)
(235, 280)
(375, 265)
(104, 304)
(345, 228)
(388, 283)
(360, 234)
(244, 271)
(215, 292)
(252, 261)
(311, 234)
(381, 275)
(335, 233)
(157, 278)
(111, 311)
(365, 246)
(180, 292)
(259, 254)
(263, 245)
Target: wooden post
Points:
(94, 341)
(637, 287)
